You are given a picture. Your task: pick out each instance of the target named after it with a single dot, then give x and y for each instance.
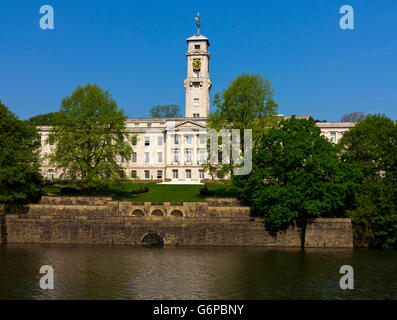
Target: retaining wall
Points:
(86, 220)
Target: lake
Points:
(127, 272)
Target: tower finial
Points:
(198, 22)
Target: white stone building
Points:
(173, 149)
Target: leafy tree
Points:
(90, 138)
(48, 119)
(372, 144)
(297, 174)
(246, 104)
(374, 219)
(165, 111)
(20, 178)
(353, 117)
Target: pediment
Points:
(190, 125)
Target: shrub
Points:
(140, 190)
(68, 190)
(205, 192)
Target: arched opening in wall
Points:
(152, 239)
(177, 213)
(157, 213)
(50, 175)
(138, 213)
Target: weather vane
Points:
(198, 22)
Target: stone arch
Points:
(157, 213)
(138, 213)
(176, 213)
(152, 239)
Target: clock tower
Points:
(197, 82)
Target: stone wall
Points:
(326, 232)
(129, 230)
(3, 233)
(104, 221)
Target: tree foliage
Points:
(20, 178)
(90, 138)
(247, 103)
(372, 144)
(165, 111)
(353, 117)
(48, 119)
(297, 174)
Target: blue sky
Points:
(136, 50)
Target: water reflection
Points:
(125, 272)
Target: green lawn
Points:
(160, 192)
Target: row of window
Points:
(50, 174)
(175, 174)
(176, 139)
(175, 157)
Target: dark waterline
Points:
(125, 272)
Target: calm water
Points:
(124, 272)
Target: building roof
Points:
(198, 37)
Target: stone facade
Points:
(218, 222)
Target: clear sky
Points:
(136, 50)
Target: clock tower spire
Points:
(197, 82)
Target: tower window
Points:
(196, 84)
(196, 46)
(196, 115)
(196, 102)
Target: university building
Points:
(174, 149)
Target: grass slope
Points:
(160, 192)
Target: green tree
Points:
(165, 111)
(90, 138)
(372, 144)
(297, 174)
(247, 103)
(20, 178)
(353, 117)
(48, 119)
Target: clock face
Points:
(196, 64)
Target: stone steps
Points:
(224, 211)
(75, 200)
(223, 202)
(74, 209)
